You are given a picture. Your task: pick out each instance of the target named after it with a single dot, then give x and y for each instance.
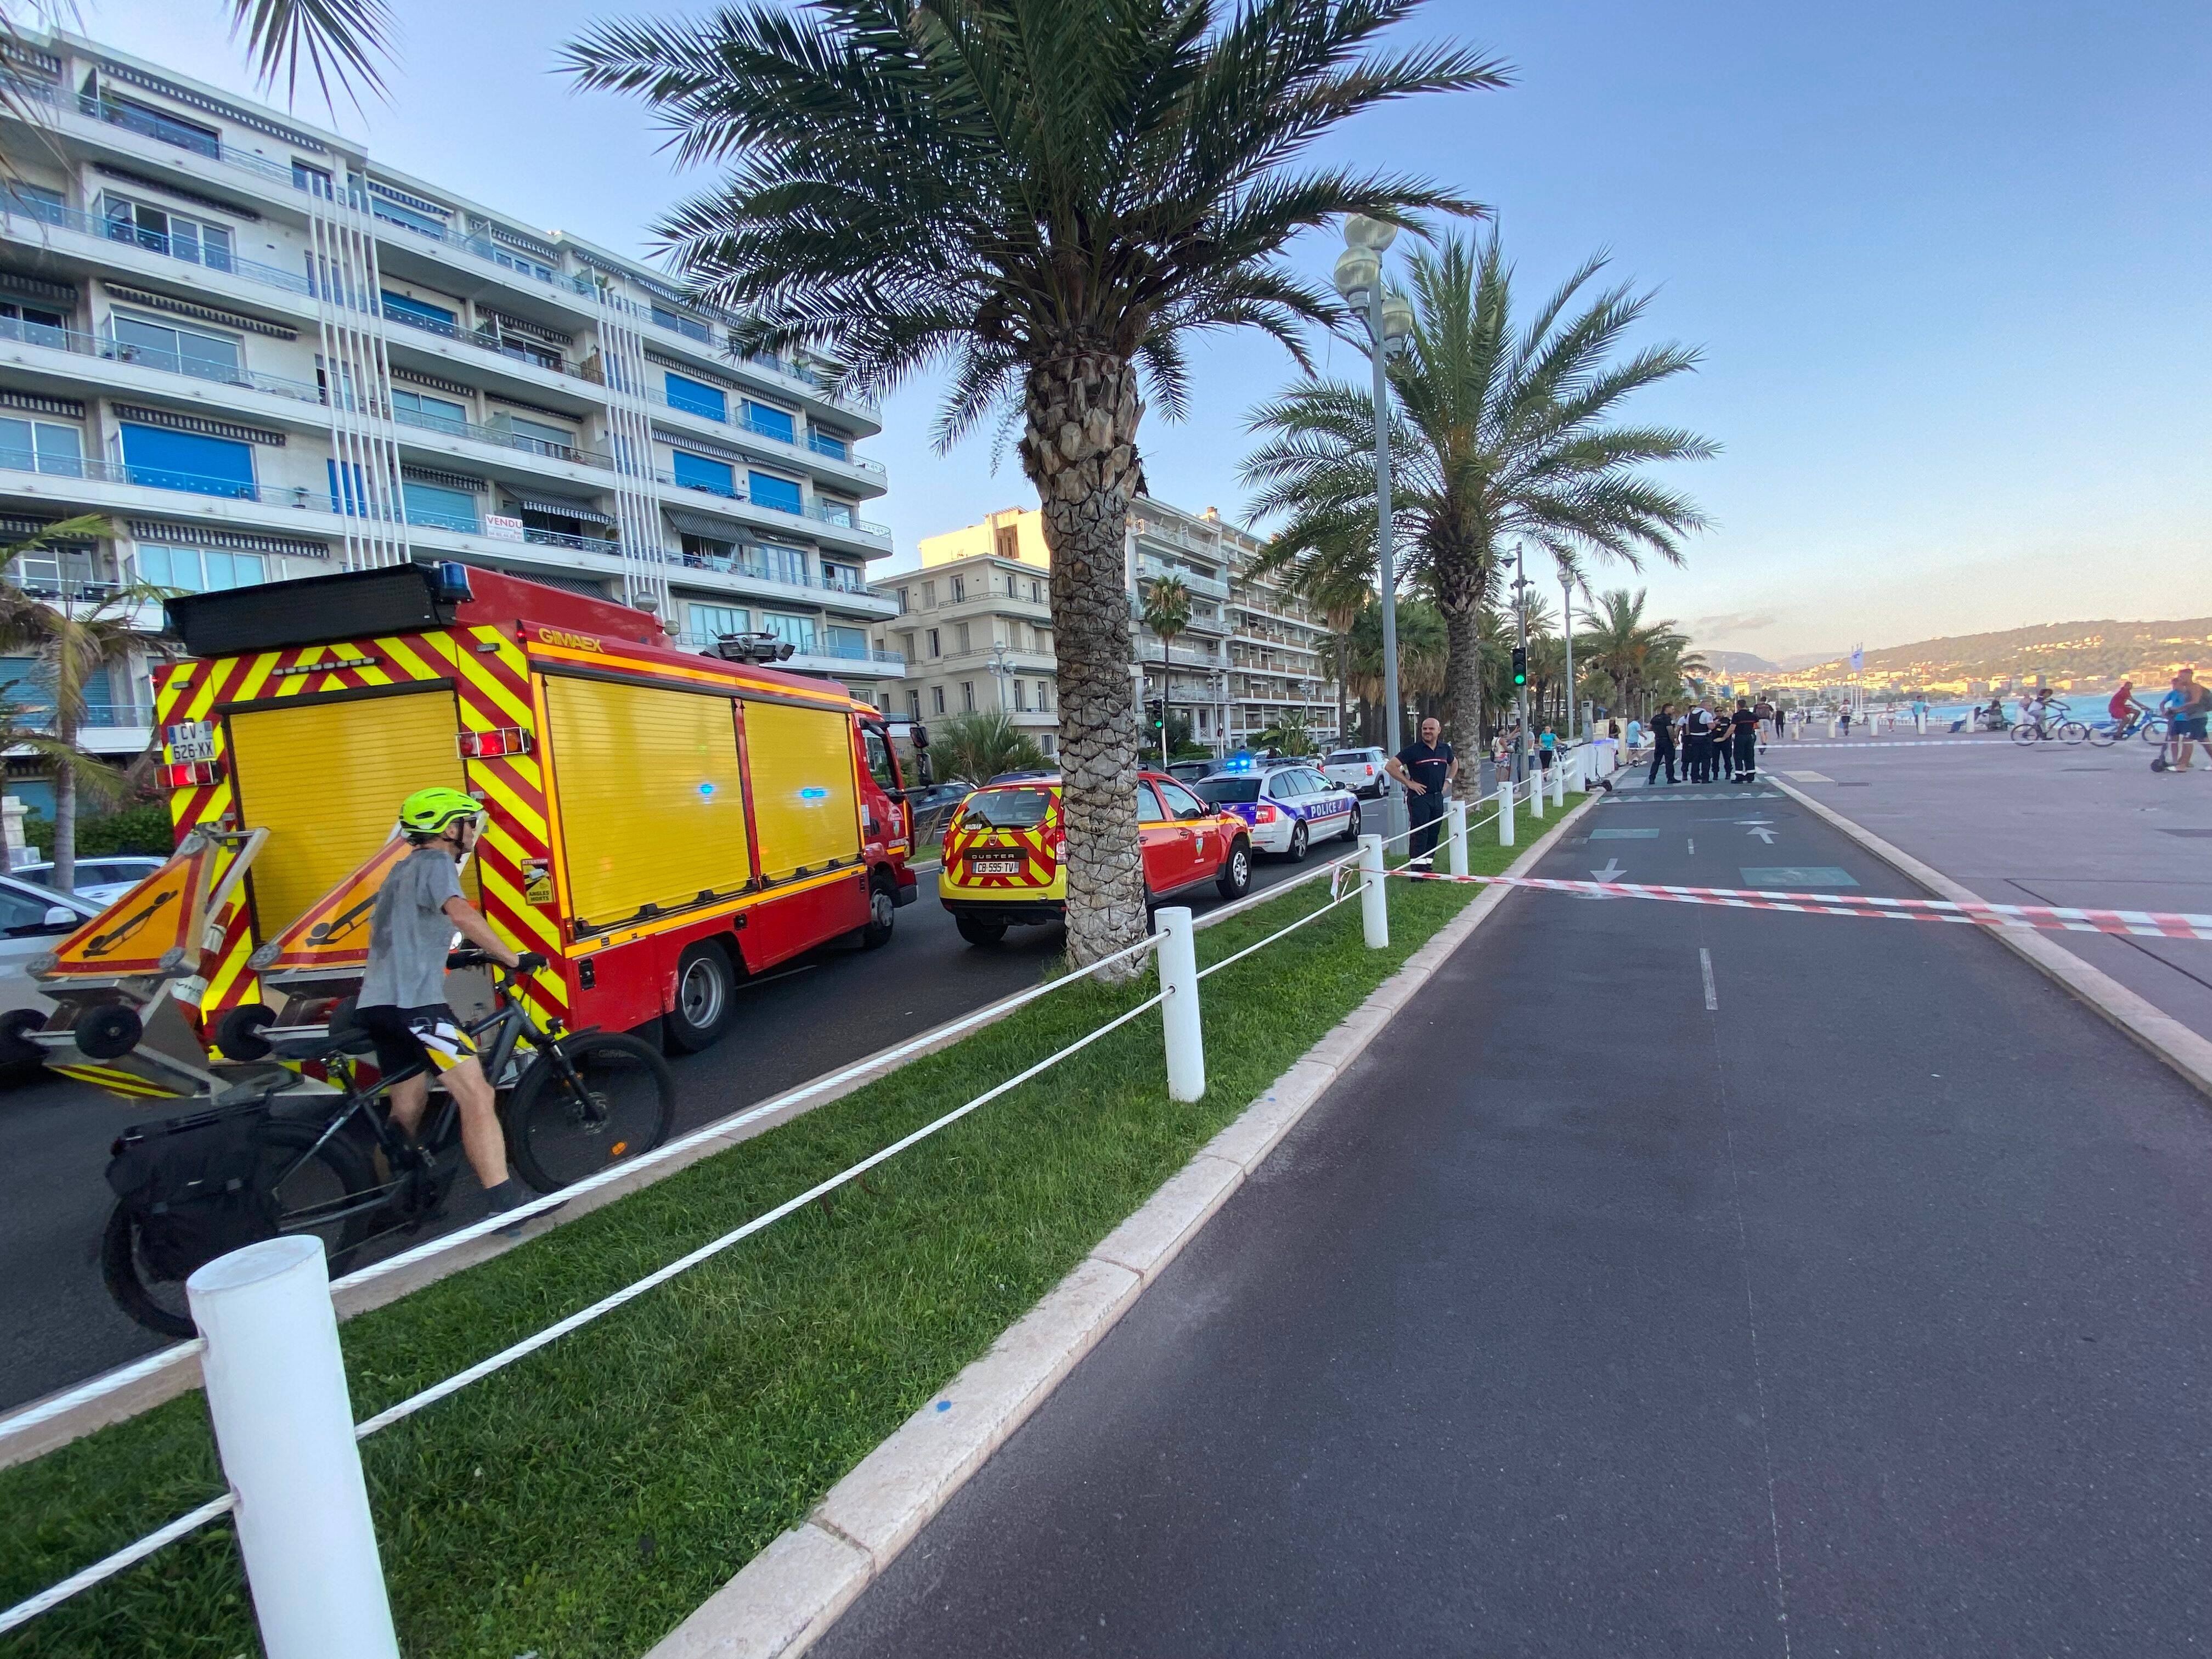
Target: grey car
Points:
(32, 918)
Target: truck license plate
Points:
(192, 741)
(996, 867)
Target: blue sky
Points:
(1951, 267)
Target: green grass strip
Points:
(583, 1501)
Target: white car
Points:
(103, 878)
(1289, 807)
(1360, 771)
(32, 920)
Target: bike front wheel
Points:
(621, 1103)
(2072, 731)
(2105, 736)
(2154, 730)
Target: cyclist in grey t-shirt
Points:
(402, 1004)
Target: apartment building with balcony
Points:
(975, 624)
(264, 355)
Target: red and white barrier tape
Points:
(2061, 919)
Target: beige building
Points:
(975, 626)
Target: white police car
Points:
(1289, 807)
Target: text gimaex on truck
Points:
(659, 824)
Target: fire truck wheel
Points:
(883, 915)
(705, 998)
(979, 933)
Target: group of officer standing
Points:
(1714, 744)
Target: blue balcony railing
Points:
(162, 478)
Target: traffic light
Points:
(1520, 665)
(1159, 708)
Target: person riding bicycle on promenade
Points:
(2124, 708)
(403, 1004)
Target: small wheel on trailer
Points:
(706, 998)
(978, 932)
(883, 915)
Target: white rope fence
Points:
(1178, 997)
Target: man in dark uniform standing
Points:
(1663, 742)
(1743, 729)
(1426, 767)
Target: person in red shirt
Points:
(2124, 707)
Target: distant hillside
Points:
(1739, 662)
(2091, 652)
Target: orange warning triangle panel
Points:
(138, 933)
(334, 933)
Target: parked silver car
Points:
(103, 879)
(32, 918)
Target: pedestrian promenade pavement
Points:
(2050, 825)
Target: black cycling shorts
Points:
(431, 1037)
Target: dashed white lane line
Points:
(1809, 777)
(1705, 967)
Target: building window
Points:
(902, 599)
(797, 632)
(771, 422)
(400, 308)
(540, 439)
(959, 589)
(37, 324)
(1021, 698)
(313, 180)
(769, 491)
(185, 460)
(710, 622)
(779, 564)
(43, 447)
(1008, 539)
(418, 408)
(846, 577)
(847, 642)
(960, 634)
(935, 650)
(179, 350)
(706, 553)
(1050, 743)
(967, 697)
(914, 705)
(828, 443)
(160, 231)
(1036, 590)
(439, 508)
(407, 218)
(1044, 696)
(937, 698)
(199, 570)
(699, 473)
(1043, 637)
(698, 397)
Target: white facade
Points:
(264, 355)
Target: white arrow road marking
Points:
(1764, 832)
(1612, 871)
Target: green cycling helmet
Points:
(428, 811)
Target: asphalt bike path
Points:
(58, 1326)
(1668, 1279)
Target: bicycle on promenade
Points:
(293, 1157)
(2151, 728)
(2057, 726)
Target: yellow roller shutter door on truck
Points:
(804, 804)
(651, 802)
(325, 779)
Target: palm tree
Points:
(1498, 431)
(1049, 198)
(1166, 612)
(978, 747)
(73, 643)
(1640, 658)
(1423, 652)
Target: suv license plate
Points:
(996, 867)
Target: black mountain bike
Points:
(267, 1159)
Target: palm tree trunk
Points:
(1078, 448)
(65, 819)
(1463, 678)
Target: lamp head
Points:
(1357, 273)
(1397, 323)
(1372, 234)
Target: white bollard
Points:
(283, 1426)
(1537, 794)
(1456, 811)
(1179, 1013)
(1559, 781)
(1920, 722)
(1373, 911)
(1505, 814)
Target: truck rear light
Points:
(187, 775)
(490, 746)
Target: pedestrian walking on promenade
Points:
(1779, 717)
(1663, 742)
(1847, 719)
(1426, 767)
(1546, 742)
(1744, 726)
(2187, 706)
(1765, 711)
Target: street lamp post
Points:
(1389, 323)
(1520, 693)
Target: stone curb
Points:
(783, 1600)
(2166, 1037)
